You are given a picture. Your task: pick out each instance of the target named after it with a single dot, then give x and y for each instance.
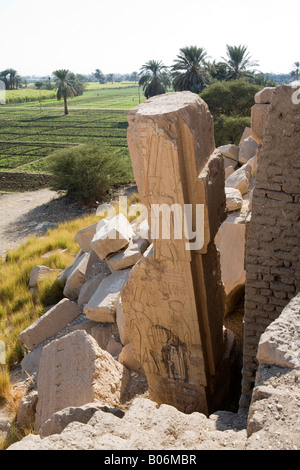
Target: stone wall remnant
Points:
(174, 301)
(273, 244)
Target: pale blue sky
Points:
(118, 36)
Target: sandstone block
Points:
(228, 162)
(234, 199)
(26, 410)
(40, 272)
(114, 347)
(142, 230)
(89, 288)
(246, 133)
(259, 114)
(102, 305)
(228, 171)
(75, 371)
(230, 241)
(50, 323)
(240, 179)
(121, 322)
(85, 236)
(278, 345)
(127, 257)
(230, 151)
(79, 275)
(248, 149)
(127, 358)
(264, 96)
(103, 333)
(113, 234)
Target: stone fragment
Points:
(50, 323)
(81, 414)
(89, 288)
(114, 347)
(230, 151)
(102, 305)
(85, 325)
(75, 371)
(240, 179)
(228, 171)
(264, 96)
(246, 133)
(85, 236)
(121, 322)
(248, 149)
(228, 162)
(278, 345)
(142, 230)
(253, 163)
(127, 358)
(259, 114)
(26, 410)
(102, 334)
(30, 362)
(230, 241)
(40, 272)
(62, 277)
(234, 199)
(79, 275)
(127, 257)
(113, 234)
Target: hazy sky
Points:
(119, 36)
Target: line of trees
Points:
(11, 79)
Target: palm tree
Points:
(296, 70)
(190, 70)
(64, 86)
(154, 78)
(99, 76)
(238, 61)
(3, 77)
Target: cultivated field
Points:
(30, 131)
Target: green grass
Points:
(28, 136)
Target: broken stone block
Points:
(38, 273)
(234, 199)
(75, 371)
(228, 162)
(102, 334)
(230, 151)
(102, 305)
(121, 322)
(129, 256)
(228, 171)
(79, 275)
(26, 410)
(127, 358)
(50, 323)
(89, 288)
(240, 179)
(259, 114)
(277, 345)
(114, 347)
(84, 237)
(230, 241)
(142, 230)
(247, 132)
(113, 234)
(248, 149)
(264, 96)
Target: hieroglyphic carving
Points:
(168, 298)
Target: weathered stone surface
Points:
(248, 150)
(127, 257)
(279, 345)
(113, 234)
(142, 230)
(85, 236)
(175, 333)
(240, 179)
(30, 362)
(259, 114)
(75, 371)
(50, 323)
(228, 162)
(121, 322)
(26, 410)
(79, 275)
(272, 255)
(230, 241)
(114, 347)
(228, 171)
(102, 306)
(89, 288)
(230, 151)
(81, 414)
(127, 358)
(264, 96)
(246, 133)
(40, 272)
(234, 199)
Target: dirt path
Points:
(31, 213)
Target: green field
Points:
(30, 131)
